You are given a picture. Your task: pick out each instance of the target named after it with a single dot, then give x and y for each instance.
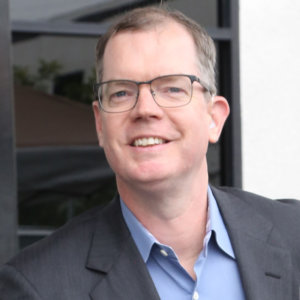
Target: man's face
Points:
(185, 131)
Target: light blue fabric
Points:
(216, 267)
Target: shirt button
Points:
(195, 296)
(163, 252)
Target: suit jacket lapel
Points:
(264, 263)
(113, 253)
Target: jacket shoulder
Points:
(284, 214)
(59, 259)
(263, 203)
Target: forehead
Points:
(166, 48)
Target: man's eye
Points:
(120, 94)
(174, 90)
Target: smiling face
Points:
(151, 145)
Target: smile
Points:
(148, 141)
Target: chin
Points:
(146, 175)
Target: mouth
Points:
(148, 141)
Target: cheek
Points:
(112, 133)
(197, 133)
(107, 140)
(110, 151)
(111, 128)
(104, 134)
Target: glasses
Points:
(168, 91)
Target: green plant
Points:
(48, 69)
(22, 76)
(47, 72)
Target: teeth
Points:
(144, 142)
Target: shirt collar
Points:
(216, 224)
(145, 240)
(142, 237)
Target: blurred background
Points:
(51, 167)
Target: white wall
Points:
(270, 96)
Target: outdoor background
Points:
(51, 167)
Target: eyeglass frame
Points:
(192, 78)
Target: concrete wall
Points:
(270, 97)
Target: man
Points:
(168, 235)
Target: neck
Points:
(176, 214)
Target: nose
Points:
(146, 107)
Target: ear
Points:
(98, 122)
(219, 112)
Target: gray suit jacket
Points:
(95, 257)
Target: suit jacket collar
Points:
(115, 256)
(264, 262)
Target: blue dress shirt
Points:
(216, 267)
